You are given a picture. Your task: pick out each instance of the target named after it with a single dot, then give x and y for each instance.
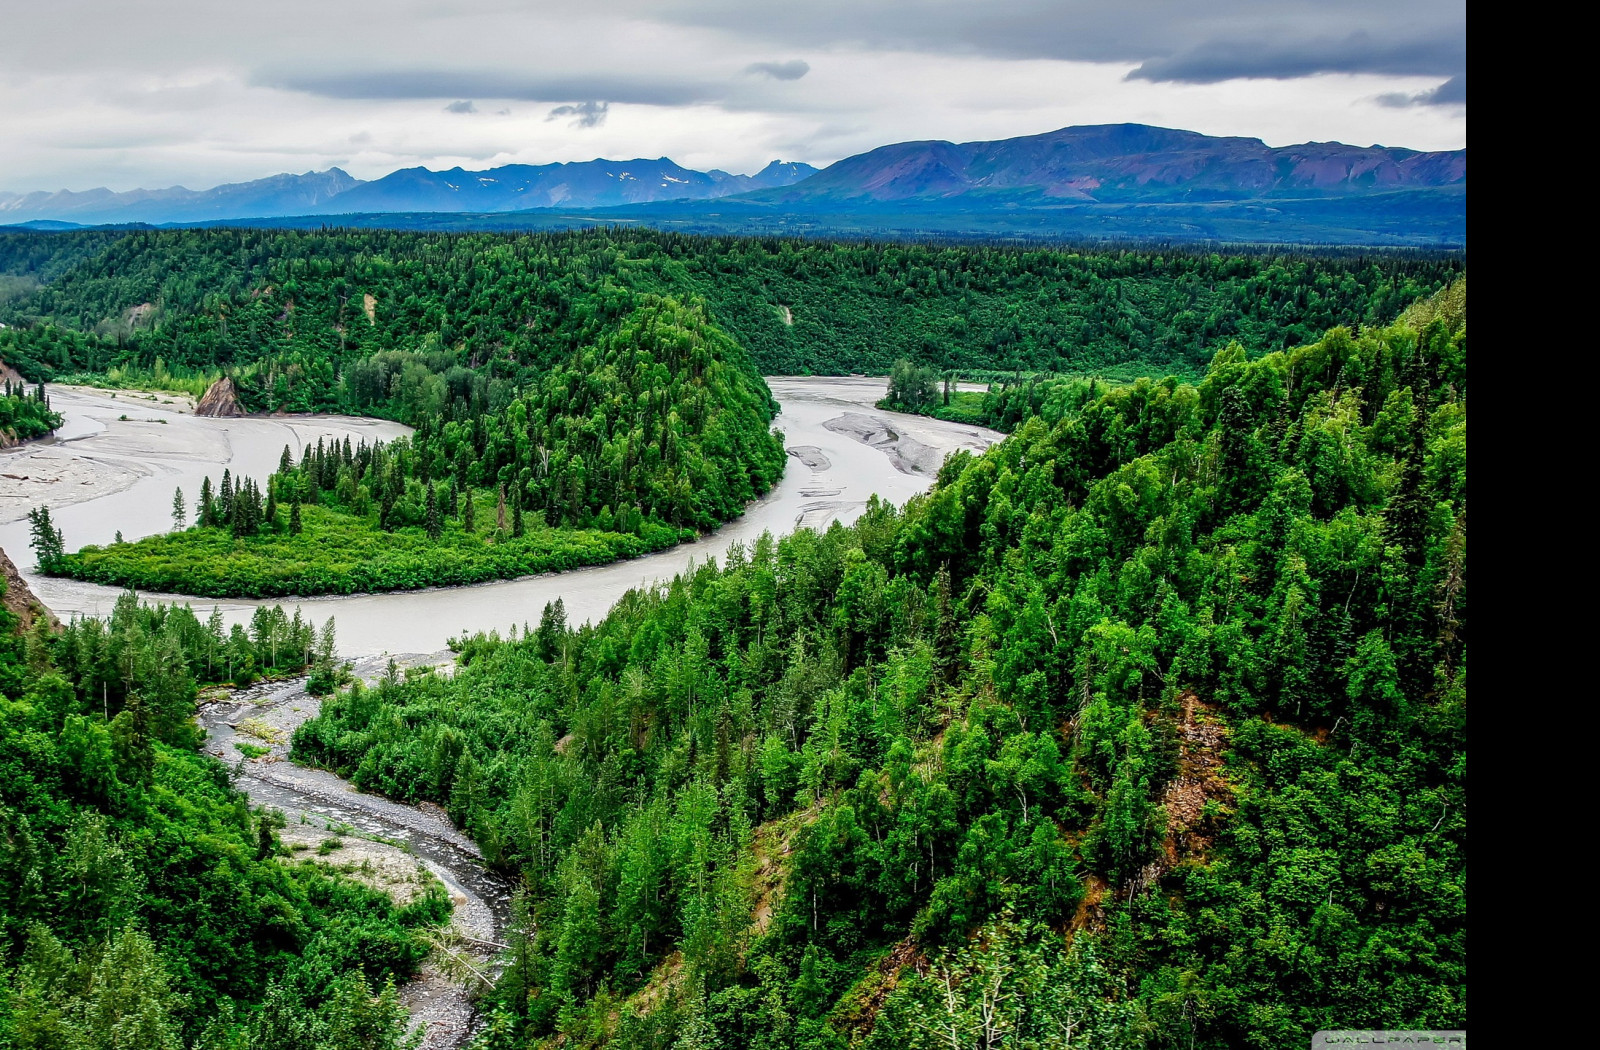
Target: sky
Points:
(201, 92)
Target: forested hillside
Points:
(1147, 728)
(144, 904)
(329, 319)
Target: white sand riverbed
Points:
(115, 475)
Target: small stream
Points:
(266, 716)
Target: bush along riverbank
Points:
(311, 550)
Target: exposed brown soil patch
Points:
(664, 983)
(770, 844)
(20, 601)
(1202, 737)
(1090, 917)
(857, 1014)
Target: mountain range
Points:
(1098, 180)
(513, 187)
(1118, 162)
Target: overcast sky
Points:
(120, 94)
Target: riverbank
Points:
(394, 848)
(342, 553)
(831, 476)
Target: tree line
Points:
(328, 319)
(25, 413)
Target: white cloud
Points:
(108, 94)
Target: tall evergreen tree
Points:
(431, 510)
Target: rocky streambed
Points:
(393, 847)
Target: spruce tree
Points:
(48, 546)
(431, 508)
(946, 638)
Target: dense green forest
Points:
(625, 448)
(1146, 728)
(144, 904)
(601, 385)
(25, 414)
(301, 315)
(1013, 399)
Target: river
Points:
(107, 475)
(112, 468)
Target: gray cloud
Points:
(461, 106)
(584, 114)
(1359, 52)
(793, 69)
(1452, 92)
(1196, 43)
(438, 83)
(151, 95)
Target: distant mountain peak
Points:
(1123, 162)
(281, 194)
(1090, 163)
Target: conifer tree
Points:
(946, 643)
(48, 545)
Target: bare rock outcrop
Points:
(221, 401)
(19, 600)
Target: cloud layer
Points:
(793, 69)
(103, 94)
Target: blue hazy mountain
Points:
(1102, 181)
(513, 187)
(275, 195)
(1123, 162)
